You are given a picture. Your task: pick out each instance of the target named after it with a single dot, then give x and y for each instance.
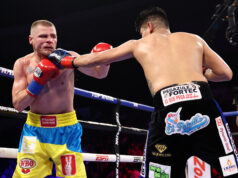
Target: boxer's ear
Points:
(150, 26)
(30, 38)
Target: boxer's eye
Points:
(43, 36)
(53, 36)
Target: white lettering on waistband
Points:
(180, 93)
(48, 121)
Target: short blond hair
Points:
(41, 22)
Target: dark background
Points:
(82, 24)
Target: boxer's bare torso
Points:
(166, 58)
(57, 95)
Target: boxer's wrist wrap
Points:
(66, 62)
(34, 88)
(75, 67)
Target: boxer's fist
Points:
(44, 71)
(101, 47)
(62, 58)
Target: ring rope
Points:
(12, 153)
(7, 109)
(93, 95)
(124, 128)
(97, 96)
(6, 72)
(91, 123)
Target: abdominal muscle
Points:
(56, 96)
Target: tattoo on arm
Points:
(30, 70)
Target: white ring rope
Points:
(94, 157)
(7, 109)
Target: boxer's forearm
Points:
(89, 60)
(22, 100)
(102, 71)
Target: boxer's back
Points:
(170, 59)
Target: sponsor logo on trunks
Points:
(68, 164)
(223, 135)
(102, 158)
(26, 164)
(228, 165)
(176, 126)
(161, 154)
(48, 121)
(159, 170)
(161, 149)
(198, 168)
(180, 93)
(28, 144)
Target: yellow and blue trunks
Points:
(47, 138)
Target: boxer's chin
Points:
(47, 51)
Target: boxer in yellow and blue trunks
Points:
(41, 85)
(42, 141)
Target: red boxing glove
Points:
(44, 71)
(101, 47)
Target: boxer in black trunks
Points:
(186, 121)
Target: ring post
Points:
(117, 152)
